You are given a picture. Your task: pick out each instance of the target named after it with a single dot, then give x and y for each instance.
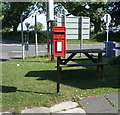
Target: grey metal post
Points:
(52, 56)
(48, 40)
(36, 42)
(107, 40)
(81, 38)
(22, 39)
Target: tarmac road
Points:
(12, 50)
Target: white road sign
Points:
(107, 18)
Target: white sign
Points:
(107, 18)
(76, 27)
(59, 46)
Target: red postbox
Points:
(59, 41)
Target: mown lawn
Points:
(84, 41)
(32, 82)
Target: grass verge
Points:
(32, 83)
(78, 41)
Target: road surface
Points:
(12, 50)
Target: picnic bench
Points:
(87, 52)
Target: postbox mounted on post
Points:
(59, 41)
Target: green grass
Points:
(33, 83)
(78, 41)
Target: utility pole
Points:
(27, 37)
(36, 42)
(50, 24)
(22, 39)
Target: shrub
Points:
(16, 36)
(101, 36)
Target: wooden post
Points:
(58, 74)
(100, 67)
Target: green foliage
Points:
(16, 36)
(95, 11)
(12, 13)
(114, 10)
(101, 36)
(39, 26)
(6, 29)
(42, 37)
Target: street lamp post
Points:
(22, 39)
(27, 37)
(36, 42)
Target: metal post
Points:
(107, 40)
(107, 31)
(36, 42)
(22, 39)
(49, 17)
(58, 74)
(52, 56)
(81, 38)
(48, 40)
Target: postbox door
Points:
(59, 48)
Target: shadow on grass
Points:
(3, 59)
(8, 89)
(11, 89)
(80, 78)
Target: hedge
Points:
(42, 36)
(101, 36)
(16, 36)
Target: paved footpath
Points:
(108, 103)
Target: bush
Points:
(101, 36)
(13, 36)
(16, 36)
(42, 36)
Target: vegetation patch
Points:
(115, 60)
(33, 83)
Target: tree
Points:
(39, 26)
(32, 27)
(12, 12)
(94, 10)
(113, 8)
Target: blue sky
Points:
(40, 18)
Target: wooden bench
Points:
(77, 65)
(95, 61)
